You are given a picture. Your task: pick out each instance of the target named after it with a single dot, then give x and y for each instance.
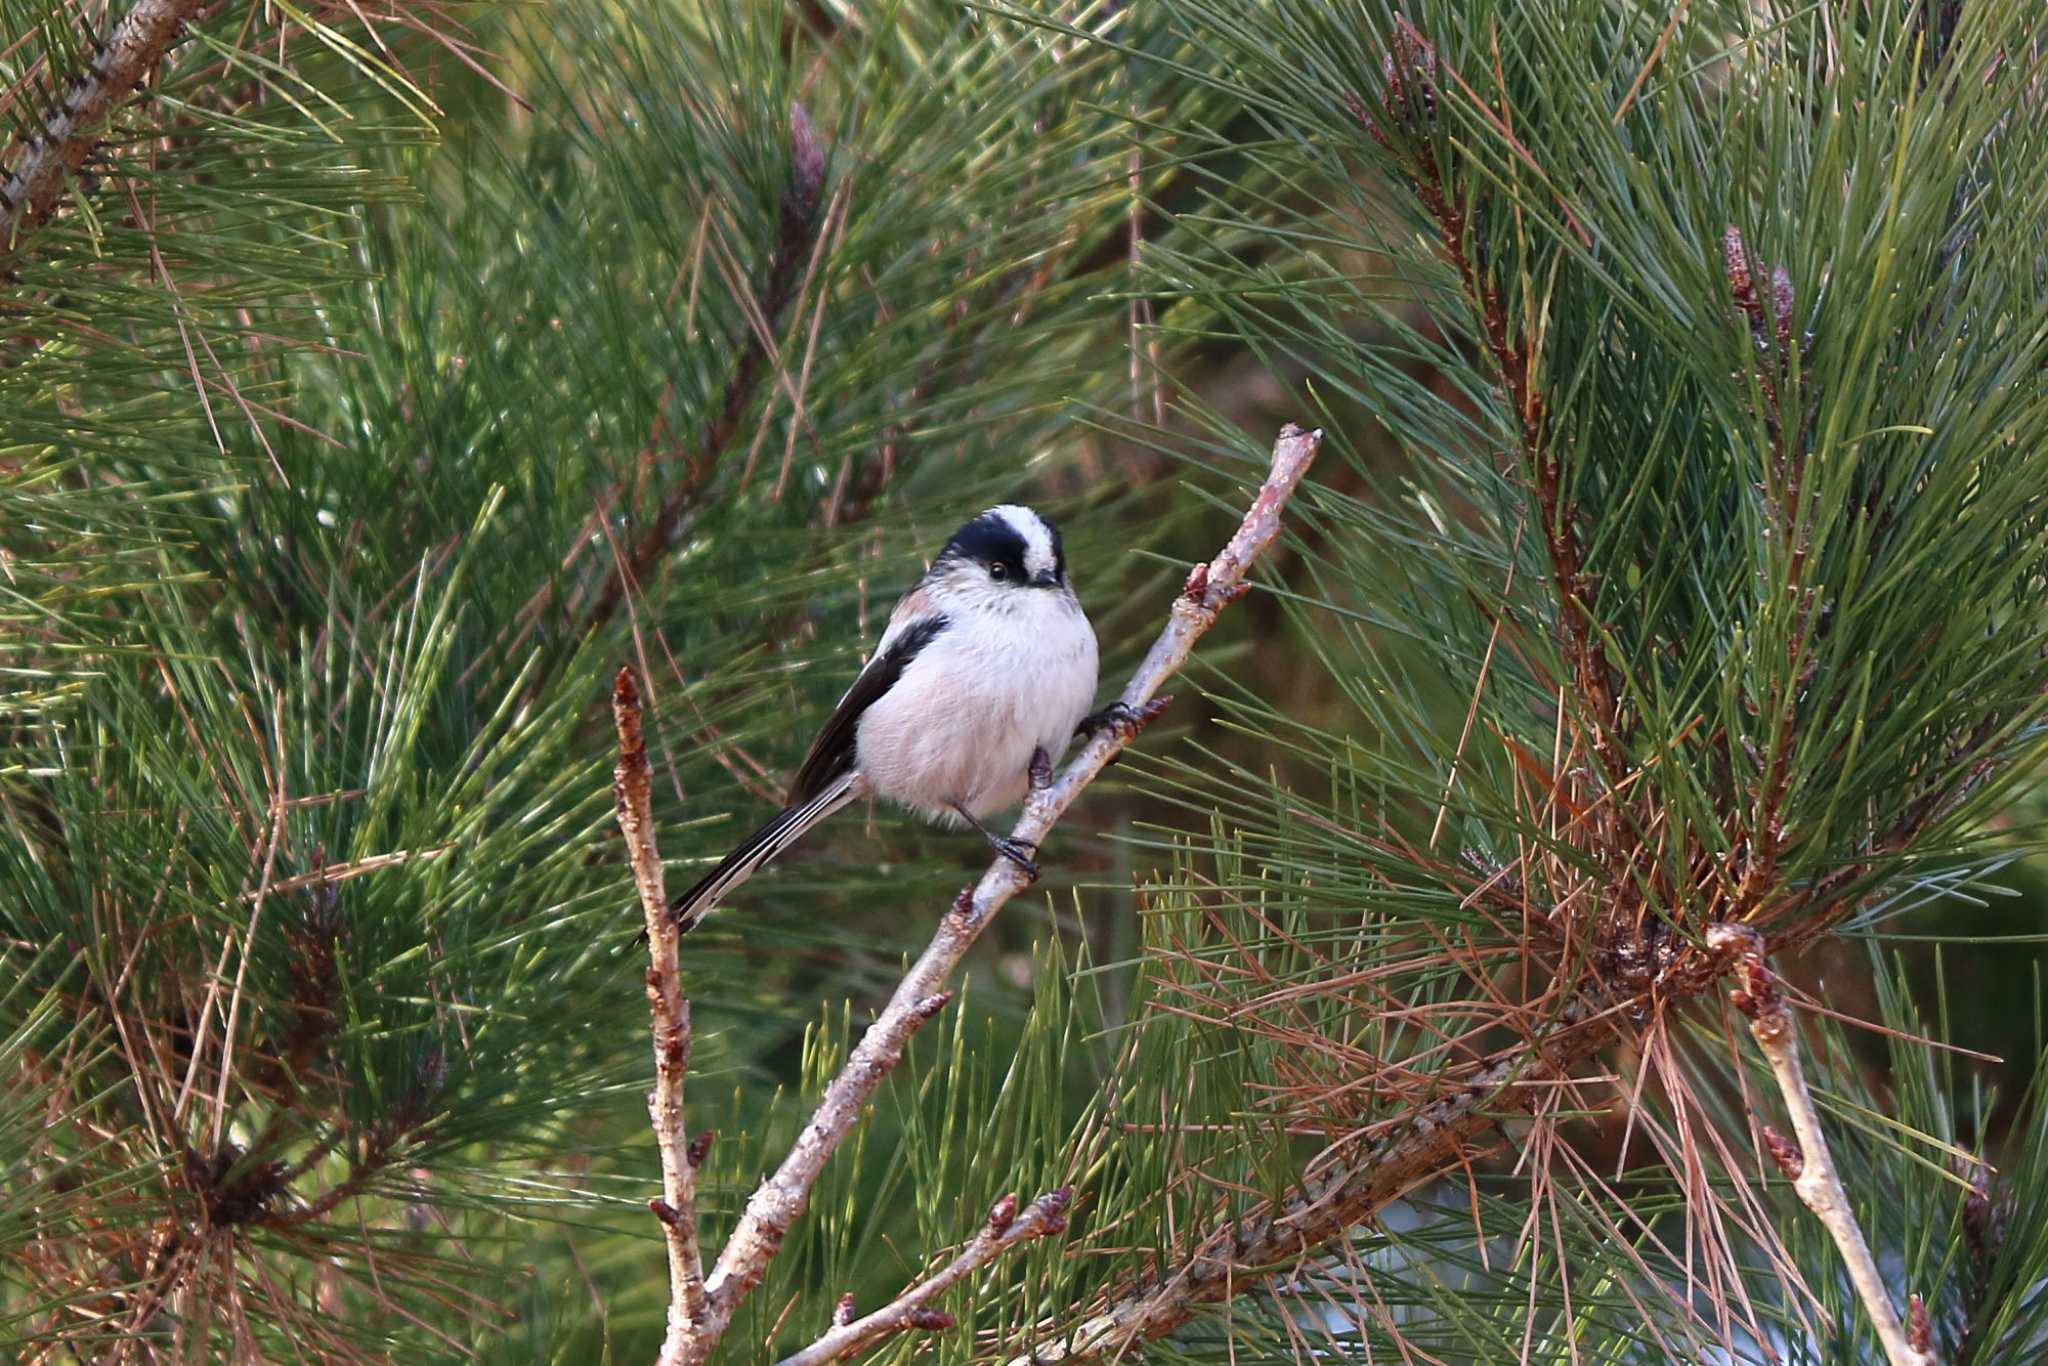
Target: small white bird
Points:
(983, 675)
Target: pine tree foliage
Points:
(1706, 342)
(387, 377)
(321, 964)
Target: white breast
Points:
(959, 727)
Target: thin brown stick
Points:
(783, 1195)
(669, 1011)
(1635, 87)
(909, 1311)
(1809, 1163)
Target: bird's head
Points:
(1007, 550)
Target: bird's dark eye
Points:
(998, 570)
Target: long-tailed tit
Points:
(983, 675)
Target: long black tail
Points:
(785, 829)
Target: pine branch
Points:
(1410, 96)
(798, 239)
(1005, 1229)
(29, 195)
(783, 1196)
(1626, 981)
(669, 1010)
(1808, 1162)
(1769, 315)
(1230, 1257)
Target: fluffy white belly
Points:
(959, 727)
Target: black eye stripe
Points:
(990, 540)
(997, 538)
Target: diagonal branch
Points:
(1005, 1229)
(670, 1013)
(29, 195)
(1229, 1259)
(783, 1195)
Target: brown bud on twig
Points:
(1758, 996)
(1743, 283)
(1978, 1213)
(1197, 584)
(1408, 92)
(1729, 939)
(1052, 1207)
(843, 1312)
(1002, 1213)
(1759, 987)
(932, 1004)
(1785, 1153)
(1735, 260)
(1919, 1327)
(700, 1148)
(665, 1212)
(931, 1320)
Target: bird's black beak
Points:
(1049, 579)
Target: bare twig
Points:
(670, 1012)
(1005, 1229)
(1808, 1162)
(782, 1197)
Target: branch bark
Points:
(669, 1011)
(1005, 1229)
(1809, 1163)
(30, 194)
(783, 1195)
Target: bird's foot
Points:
(1125, 720)
(1016, 851)
(1040, 770)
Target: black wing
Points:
(831, 754)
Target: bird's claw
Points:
(1018, 852)
(1041, 769)
(1123, 718)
